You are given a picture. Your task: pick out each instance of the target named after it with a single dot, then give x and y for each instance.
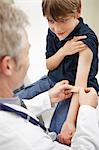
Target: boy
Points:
(19, 129)
(65, 28)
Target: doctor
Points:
(19, 129)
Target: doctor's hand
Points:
(88, 96)
(61, 91)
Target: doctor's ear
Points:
(6, 65)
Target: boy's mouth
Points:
(60, 33)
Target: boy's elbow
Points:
(49, 66)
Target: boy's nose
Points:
(57, 27)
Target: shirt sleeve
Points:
(38, 104)
(50, 44)
(87, 132)
(92, 42)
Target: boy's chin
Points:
(62, 38)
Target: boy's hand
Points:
(73, 46)
(66, 134)
(88, 96)
(61, 91)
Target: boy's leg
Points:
(59, 116)
(36, 88)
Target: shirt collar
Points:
(74, 32)
(12, 100)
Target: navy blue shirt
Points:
(68, 67)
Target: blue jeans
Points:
(59, 116)
(42, 85)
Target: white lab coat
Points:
(19, 134)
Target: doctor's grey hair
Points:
(12, 23)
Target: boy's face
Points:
(63, 26)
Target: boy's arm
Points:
(84, 63)
(71, 47)
(55, 60)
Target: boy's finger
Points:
(76, 38)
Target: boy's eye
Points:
(62, 20)
(50, 20)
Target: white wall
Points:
(38, 31)
(90, 12)
(37, 34)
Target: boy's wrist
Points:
(70, 120)
(62, 52)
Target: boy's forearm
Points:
(54, 61)
(73, 110)
(74, 105)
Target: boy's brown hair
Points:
(60, 8)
